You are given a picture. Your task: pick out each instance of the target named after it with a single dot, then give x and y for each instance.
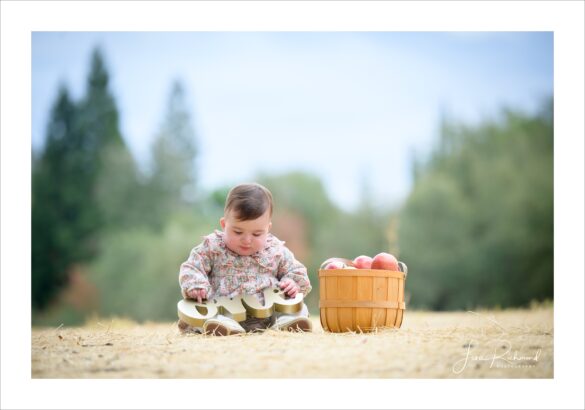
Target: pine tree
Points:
(62, 215)
(173, 181)
(83, 182)
(116, 188)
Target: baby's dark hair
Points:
(248, 201)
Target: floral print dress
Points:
(221, 272)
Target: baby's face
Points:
(245, 237)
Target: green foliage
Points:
(137, 272)
(116, 188)
(82, 184)
(172, 183)
(61, 216)
(89, 199)
(477, 229)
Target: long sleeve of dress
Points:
(291, 268)
(194, 272)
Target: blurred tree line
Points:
(477, 228)
(89, 196)
(108, 238)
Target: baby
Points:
(244, 258)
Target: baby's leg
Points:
(254, 324)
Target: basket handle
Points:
(403, 268)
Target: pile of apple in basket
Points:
(363, 294)
(382, 260)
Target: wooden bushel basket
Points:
(361, 299)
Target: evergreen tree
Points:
(116, 190)
(83, 182)
(62, 213)
(172, 183)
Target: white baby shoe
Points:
(222, 326)
(293, 323)
(299, 322)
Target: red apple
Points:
(335, 265)
(385, 261)
(363, 262)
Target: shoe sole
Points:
(301, 325)
(217, 329)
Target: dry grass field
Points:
(481, 344)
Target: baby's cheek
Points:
(261, 243)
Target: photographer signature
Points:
(505, 358)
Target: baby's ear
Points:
(222, 222)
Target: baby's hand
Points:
(197, 294)
(290, 287)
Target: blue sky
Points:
(347, 106)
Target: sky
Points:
(353, 108)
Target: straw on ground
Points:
(480, 344)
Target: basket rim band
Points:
(362, 272)
(381, 304)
